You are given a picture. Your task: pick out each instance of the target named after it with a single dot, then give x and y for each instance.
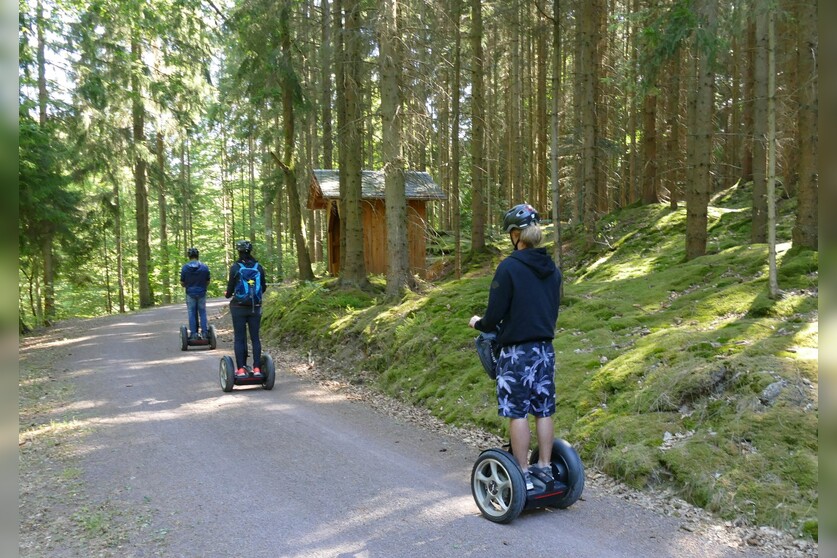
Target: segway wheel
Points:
(184, 338)
(213, 340)
(227, 373)
(269, 370)
(566, 468)
(498, 486)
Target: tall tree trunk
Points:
(119, 242)
(295, 211)
(277, 204)
(577, 206)
(773, 283)
(673, 158)
(398, 265)
(48, 279)
(649, 149)
(189, 233)
(555, 123)
(342, 130)
(759, 216)
(47, 256)
(478, 131)
(589, 25)
(326, 64)
(251, 186)
(106, 254)
(456, 16)
(748, 103)
(43, 98)
(146, 298)
(733, 151)
(600, 104)
(161, 208)
(541, 124)
(698, 188)
(515, 187)
(441, 101)
(633, 126)
(353, 273)
(226, 201)
(805, 233)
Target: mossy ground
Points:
(683, 373)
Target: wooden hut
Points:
(420, 188)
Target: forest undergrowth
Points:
(674, 374)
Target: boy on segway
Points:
(194, 277)
(523, 302)
(245, 287)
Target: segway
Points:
(497, 482)
(229, 380)
(210, 340)
(499, 487)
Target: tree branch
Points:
(217, 11)
(279, 162)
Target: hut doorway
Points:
(334, 241)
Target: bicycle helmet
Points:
(193, 253)
(520, 217)
(244, 246)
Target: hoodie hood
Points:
(194, 264)
(537, 260)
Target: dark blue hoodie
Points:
(194, 275)
(523, 299)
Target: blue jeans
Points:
(246, 318)
(196, 307)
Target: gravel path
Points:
(317, 466)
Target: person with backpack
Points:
(194, 277)
(523, 302)
(245, 287)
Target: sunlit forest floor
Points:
(678, 374)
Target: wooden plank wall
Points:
(375, 238)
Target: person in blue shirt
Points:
(523, 304)
(194, 277)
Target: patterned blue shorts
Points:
(526, 380)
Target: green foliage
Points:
(647, 344)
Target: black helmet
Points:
(520, 217)
(244, 246)
(192, 252)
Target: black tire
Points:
(566, 468)
(226, 371)
(184, 338)
(269, 371)
(213, 339)
(498, 486)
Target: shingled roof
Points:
(418, 186)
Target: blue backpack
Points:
(249, 287)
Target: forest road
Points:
(300, 470)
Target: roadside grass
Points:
(56, 514)
(669, 373)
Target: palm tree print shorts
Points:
(526, 380)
